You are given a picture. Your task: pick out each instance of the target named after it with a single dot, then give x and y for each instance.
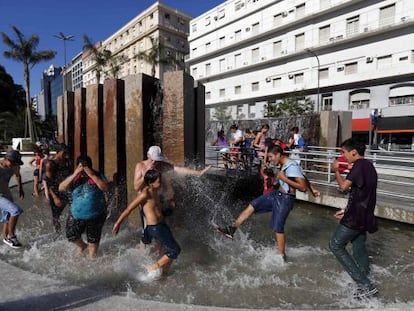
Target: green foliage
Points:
(222, 114)
(294, 104)
(158, 54)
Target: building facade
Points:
(343, 54)
(159, 22)
(73, 74)
(51, 88)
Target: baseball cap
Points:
(14, 156)
(154, 152)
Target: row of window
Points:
(326, 34)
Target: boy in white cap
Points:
(10, 211)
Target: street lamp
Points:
(64, 38)
(319, 67)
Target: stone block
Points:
(79, 134)
(94, 125)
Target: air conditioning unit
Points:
(245, 63)
(229, 67)
(247, 28)
(366, 29)
(369, 59)
(268, 79)
(263, 58)
(291, 76)
(340, 68)
(284, 14)
(283, 52)
(404, 18)
(332, 39)
(339, 37)
(215, 18)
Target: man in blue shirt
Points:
(88, 208)
(279, 202)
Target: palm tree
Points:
(115, 64)
(100, 57)
(157, 54)
(24, 50)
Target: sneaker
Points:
(227, 231)
(365, 292)
(13, 242)
(150, 276)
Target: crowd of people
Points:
(84, 190)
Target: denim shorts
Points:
(162, 233)
(279, 203)
(8, 208)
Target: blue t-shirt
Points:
(88, 201)
(291, 170)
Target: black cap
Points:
(14, 156)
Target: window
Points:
(277, 19)
(237, 60)
(194, 51)
(324, 73)
(401, 94)
(208, 95)
(298, 78)
(222, 65)
(352, 25)
(327, 102)
(384, 62)
(194, 72)
(324, 34)
(300, 42)
(221, 14)
(222, 40)
(237, 35)
(277, 48)
(255, 86)
(237, 89)
(255, 55)
(222, 92)
(300, 10)
(276, 82)
(359, 99)
(251, 111)
(208, 69)
(403, 59)
(387, 15)
(238, 5)
(208, 46)
(351, 68)
(240, 114)
(194, 28)
(255, 29)
(208, 21)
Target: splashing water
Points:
(215, 271)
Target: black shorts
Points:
(36, 172)
(92, 227)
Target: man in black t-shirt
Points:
(358, 216)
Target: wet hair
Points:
(268, 142)
(151, 176)
(352, 144)
(269, 172)
(234, 127)
(220, 133)
(85, 160)
(294, 129)
(265, 126)
(276, 149)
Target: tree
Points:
(115, 65)
(293, 104)
(12, 96)
(157, 54)
(25, 51)
(221, 114)
(100, 57)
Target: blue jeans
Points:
(357, 265)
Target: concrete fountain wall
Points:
(117, 122)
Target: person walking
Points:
(10, 211)
(357, 218)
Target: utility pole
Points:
(64, 38)
(319, 67)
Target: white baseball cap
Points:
(154, 152)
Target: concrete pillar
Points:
(336, 126)
(94, 125)
(179, 117)
(114, 138)
(79, 134)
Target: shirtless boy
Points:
(156, 228)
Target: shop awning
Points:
(360, 125)
(396, 125)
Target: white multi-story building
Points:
(343, 54)
(75, 71)
(159, 22)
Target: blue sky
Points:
(96, 18)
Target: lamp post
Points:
(319, 67)
(64, 38)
